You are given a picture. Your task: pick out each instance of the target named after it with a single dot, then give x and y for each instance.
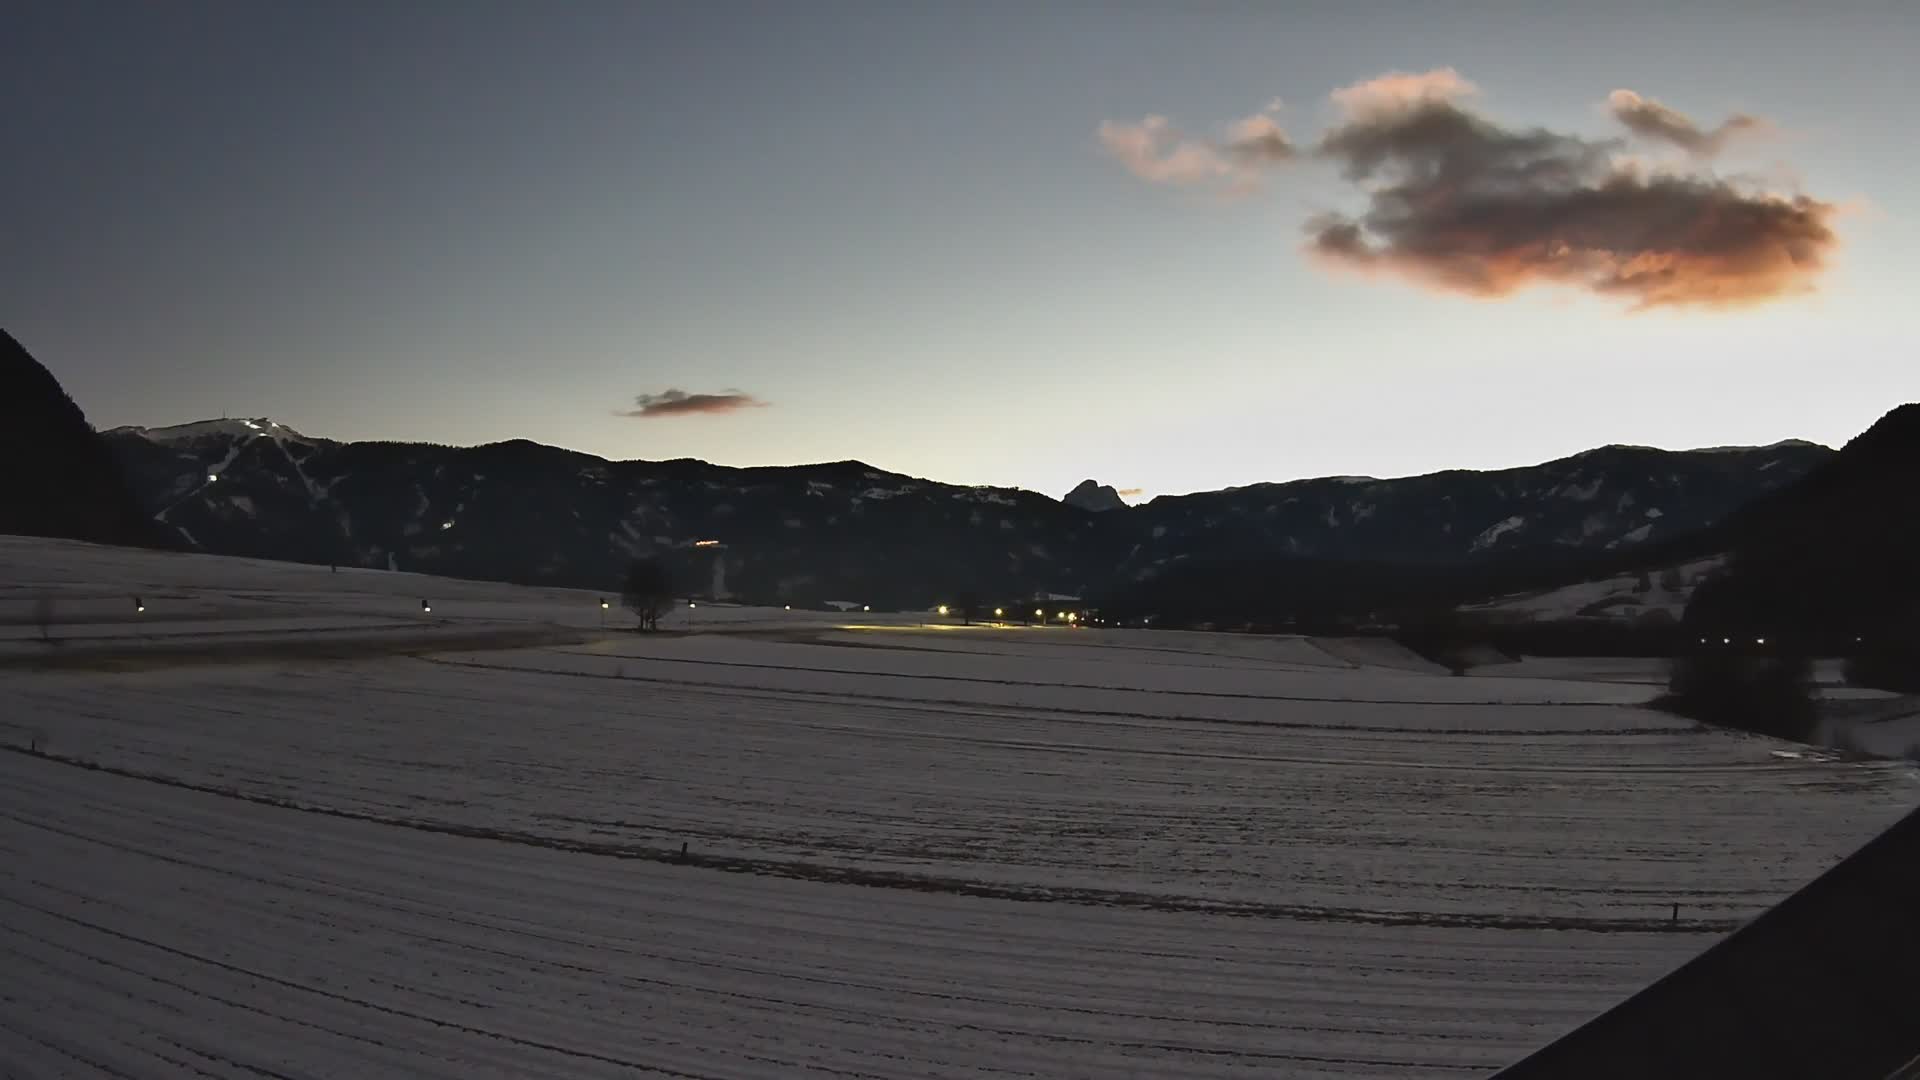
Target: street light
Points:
(999, 613)
(426, 607)
(943, 611)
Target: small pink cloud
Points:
(1156, 152)
(680, 403)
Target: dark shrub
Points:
(1768, 695)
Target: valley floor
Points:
(910, 851)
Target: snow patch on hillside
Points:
(213, 429)
(1493, 533)
(1611, 599)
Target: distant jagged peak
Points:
(226, 427)
(1096, 497)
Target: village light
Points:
(999, 613)
(943, 610)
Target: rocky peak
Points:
(1095, 497)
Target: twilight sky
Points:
(1171, 246)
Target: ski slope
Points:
(911, 851)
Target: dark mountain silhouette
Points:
(1832, 558)
(1088, 495)
(520, 511)
(57, 477)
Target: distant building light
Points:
(211, 477)
(999, 613)
(1726, 641)
(1759, 641)
(447, 524)
(866, 607)
(691, 605)
(706, 543)
(943, 610)
(603, 605)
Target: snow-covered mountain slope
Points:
(213, 429)
(1652, 596)
(520, 511)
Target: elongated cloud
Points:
(1460, 203)
(1155, 152)
(680, 403)
(1457, 202)
(1650, 119)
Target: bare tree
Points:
(648, 592)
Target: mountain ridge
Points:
(181, 429)
(520, 510)
(57, 475)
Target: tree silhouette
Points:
(648, 592)
(969, 606)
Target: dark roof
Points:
(1825, 985)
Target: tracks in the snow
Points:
(890, 879)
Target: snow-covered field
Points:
(911, 851)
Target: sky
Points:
(1171, 247)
